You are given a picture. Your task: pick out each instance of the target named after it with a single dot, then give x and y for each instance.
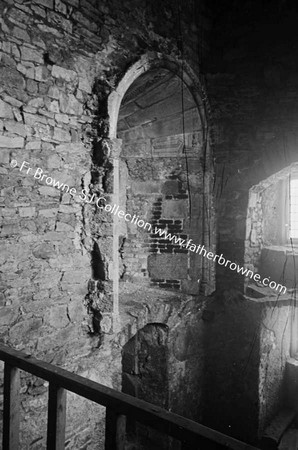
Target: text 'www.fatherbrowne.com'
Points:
(101, 203)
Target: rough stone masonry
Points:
(59, 60)
(59, 63)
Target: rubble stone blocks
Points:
(60, 72)
(11, 79)
(47, 3)
(70, 105)
(5, 110)
(58, 63)
(31, 54)
(11, 142)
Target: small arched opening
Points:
(145, 366)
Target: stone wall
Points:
(173, 340)
(59, 62)
(274, 351)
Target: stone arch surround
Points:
(147, 62)
(134, 307)
(184, 320)
(112, 144)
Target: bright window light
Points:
(294, 208)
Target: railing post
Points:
(56, 418)
(11, 409)
(115, 430)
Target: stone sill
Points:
(264, 294)
(293, 362)
(286, 248)
(140, 305)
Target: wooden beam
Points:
(56, 418)
(115, 430)
(11, 409)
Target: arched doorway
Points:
(162, 179)
(141, 356)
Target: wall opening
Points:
(159, 177)
(270, 247)
(271, 251)
(145, 376)
(165, 185)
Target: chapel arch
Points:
(159, 143)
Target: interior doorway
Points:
(145, 376)
(164, 185)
